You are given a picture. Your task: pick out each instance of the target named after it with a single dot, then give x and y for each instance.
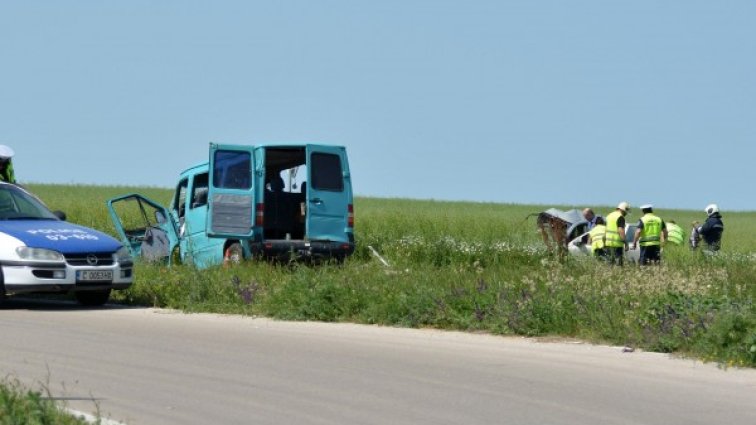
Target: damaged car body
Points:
(566, 231)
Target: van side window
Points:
(326, 172)
(199, 191)
(179, 198)
(232, 170)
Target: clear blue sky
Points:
(549, 102)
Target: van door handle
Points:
(316, 201)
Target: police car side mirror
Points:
(60, 214)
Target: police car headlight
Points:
(39, 254)
(123, 255)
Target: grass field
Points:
(474, 267)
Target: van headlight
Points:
(123, 255)
(39, 254)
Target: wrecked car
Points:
(567, 232)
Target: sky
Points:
(582, 103)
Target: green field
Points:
(474, 267)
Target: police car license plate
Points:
(94, 275)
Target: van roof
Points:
(205, 165)
(195, 169)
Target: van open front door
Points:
(145, 227)
(231, 197)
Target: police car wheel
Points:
(2, 287)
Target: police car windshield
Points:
(17, 204)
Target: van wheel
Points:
(234, 254)
(93, 298)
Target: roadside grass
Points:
(474, 267)
(20, 406)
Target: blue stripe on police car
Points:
(59, 236)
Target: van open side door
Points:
(231, 196)
(329, 195)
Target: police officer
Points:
(597, 237)
(649, 232)
(675, 233)
(616, 244)
(712, 229)
(6, 166)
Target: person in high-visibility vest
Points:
(616, 244)
(650, 232)
(597, 237)
(6, 166)
(675, 233)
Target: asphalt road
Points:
(148, 366)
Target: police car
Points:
(40, 253)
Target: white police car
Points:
(40, 253)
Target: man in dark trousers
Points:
(651, 231)
(616, 244)
(712, 229)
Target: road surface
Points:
(151, 366)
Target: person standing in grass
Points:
(597, 237)
(6, 166)
(616, 244)
(676, 233)
(712, 229)
(591, 217)
(649, 232)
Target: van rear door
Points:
(329, 193)
(231, 195)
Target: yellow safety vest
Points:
(597, 235)
(613, 239)
(650, 235)
(675, 234)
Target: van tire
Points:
(93, 298)
(234, 254)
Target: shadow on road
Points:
(55, 304)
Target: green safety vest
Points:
(597, 237)
(8, 176)
(675, 234)
(613, 239)
(650, 235)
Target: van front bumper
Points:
(301, 249)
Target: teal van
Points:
(279, 201)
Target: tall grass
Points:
(20, 406)
(474, 266)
